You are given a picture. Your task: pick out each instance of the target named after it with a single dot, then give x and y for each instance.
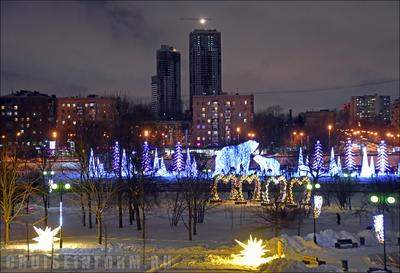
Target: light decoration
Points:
(365, 169)
(253, 253)
(146, 161)
(302, 169)
(225, 180)
(257, 184)
(317, 156)
(156, 162)
(46, 238)
(281, 180)
(378, 226)
(116, 163)
(269, 166)
(333, 167)
(383, 162)
(349, 156)
(304, 180)
(339, 166)
(193, 168)
(162, 171)
(178, 158)
(372, 167)
(237, 157)
(318, 200)
(188, 162)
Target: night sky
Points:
(78, 48)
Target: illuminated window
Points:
(63, 105)
(209, 132)
(203, 115)
(74, 105)
(15, 107)
(3, 107)
(209, 120)
(203, 109)
(74, 122)
(245, 102)
(15, 119)
(28, 125)
(198, 138)
(245, 120)
(63, 122)
(68, 105)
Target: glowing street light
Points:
(317, 202)
(329, 135)
(202, 21)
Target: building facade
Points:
(27, 118)
(205, 63)
(154, 97)
(222, 119)
(371, 108)
(319, 119)
(169, 83)
(395, 121)
(75, 115)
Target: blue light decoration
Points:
(349, 156)
(146, 161)
(156, 162)
(188, 163)
(178, 165)
(383, 162)
(302, 169)
(372, 167)
(398, 169)
(115, 163)
(162, 171)
(268, 166)
(365, 169)
(333, 167)
(317, 157)
(339, 166)
(193, 168)
(236, 157)
(96, 168)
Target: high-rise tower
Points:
(169, 83)
(205, 63)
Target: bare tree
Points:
(14, 189)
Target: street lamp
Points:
(61, 186)
(329, 135)
(382, 201)
(310, 187)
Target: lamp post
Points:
(238, 134)
(329, 135)
(310, 187)
(382, 201)
(61, 186)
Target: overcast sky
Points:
(77, 48)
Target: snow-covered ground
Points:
(223, 223)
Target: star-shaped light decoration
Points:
(46, 238)
(252, 253)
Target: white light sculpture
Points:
(252, 254)
(46, 238)
(365, 169)
(378, 226)
(318, 200)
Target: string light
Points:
(318, 200)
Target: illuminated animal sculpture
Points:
(236, 157)
(268, 164)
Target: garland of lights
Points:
(225, 179)
(257, 184)
(303, 180)
(281, 180)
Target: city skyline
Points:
(110, 47)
